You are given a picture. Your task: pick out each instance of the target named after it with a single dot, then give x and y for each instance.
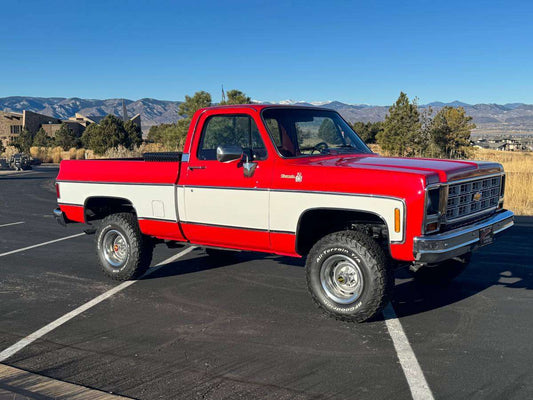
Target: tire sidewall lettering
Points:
(333, 250)
(361, 259)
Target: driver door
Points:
(223, 207)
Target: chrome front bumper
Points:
(443, 246)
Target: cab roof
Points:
(260, 107)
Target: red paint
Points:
(284, 244)
(119, 171)
(73, 212)
(167, 230)
(244, 239)
(368, 174)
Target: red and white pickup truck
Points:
(294, 181)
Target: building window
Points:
(16, 128)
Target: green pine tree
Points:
(134, 134)
(402, 129)
(66, 138)
(368, 131)
(41, 139)
(328, 133)
(23, 141)
(107, 134)
(450, 132)
(236, 97)
(192, 104)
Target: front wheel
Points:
(123, 251)
(348, 276)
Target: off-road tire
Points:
(377, 275)
(138, 251)
(442, 273)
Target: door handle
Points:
(191, 167)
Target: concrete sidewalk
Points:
(18, 384)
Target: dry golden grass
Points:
(56, 154)
(519, 177)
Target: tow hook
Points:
(416, 266)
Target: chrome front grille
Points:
(472, 197)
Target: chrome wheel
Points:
(341, 278)
(115, 248)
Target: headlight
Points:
(433, 201)
(434, 206)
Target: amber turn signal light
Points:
(396, 220)
(432, 227)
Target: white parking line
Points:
(12, 223)
(40, 244)
(413, 373)
(60, 321)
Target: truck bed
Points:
(152, 168)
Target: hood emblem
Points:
(478, 196)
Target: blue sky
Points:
(355, 52)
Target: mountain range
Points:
(512, 118)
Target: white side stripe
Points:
(142, 197)
(411, 369)
(40, 244)
(12, 223)
(60, 321)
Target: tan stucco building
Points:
(12, 123)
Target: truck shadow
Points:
(507, 263)
(202, 263)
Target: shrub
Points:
(56, 154)
(9, 151)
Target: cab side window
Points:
(223, 130)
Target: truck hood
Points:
(445, 170)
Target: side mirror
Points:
(229, 153)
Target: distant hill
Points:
(489, 118)
(153, 112)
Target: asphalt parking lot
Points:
(198, 328)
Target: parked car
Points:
(20, 162)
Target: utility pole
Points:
(124, 111)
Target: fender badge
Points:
(297, 178)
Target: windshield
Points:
(303, 132)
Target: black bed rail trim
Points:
(164, 156)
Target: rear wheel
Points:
(348, 276)
(123, 251)
(442, 273)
